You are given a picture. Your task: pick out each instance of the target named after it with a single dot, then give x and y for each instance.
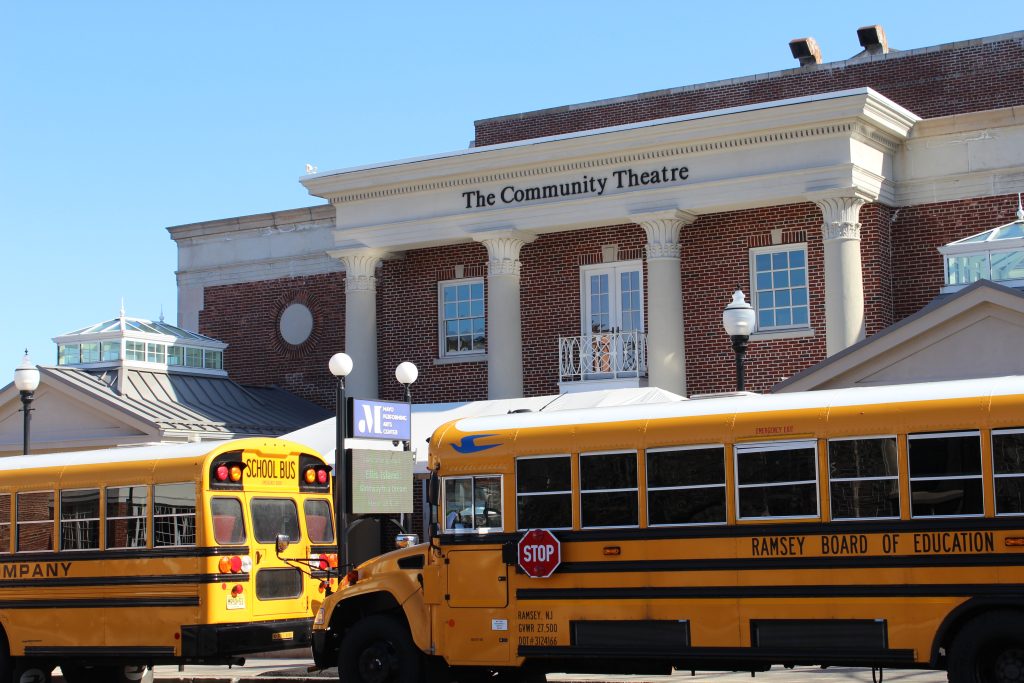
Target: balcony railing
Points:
(602, 356)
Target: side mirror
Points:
(406, 540)
(433, 488)
(282, 543)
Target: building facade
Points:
(596, 245)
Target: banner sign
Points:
(381, 482)
(370, 419)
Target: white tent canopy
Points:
(427, 417)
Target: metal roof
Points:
(192, 404)
(125, 324)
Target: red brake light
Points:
(236, 564)
(222, 473)
(321, 476)
(236, 590)
(324, 563)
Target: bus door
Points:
(476, 584)
(277, 585)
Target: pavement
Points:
(296, 669)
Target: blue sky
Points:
(119, 119)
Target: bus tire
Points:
(378, 649)
(5, 659)
(989, 649)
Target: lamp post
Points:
(738, 320)
(406, 373)
(26, 379)
(340, 366)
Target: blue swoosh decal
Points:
(468, 444)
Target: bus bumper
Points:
(216, 640)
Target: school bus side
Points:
(926, 580)
(146, 577)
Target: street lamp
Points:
(738, 320)
(26, 379)
(340, 366)
(406, 373)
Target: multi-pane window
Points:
(213, 359)
(462, 317)
(155, 353)
(945, 474)
(90, 352)
(228, 524)
(80, 519)
(777, 479)
(608, 490)
(544, 492)
(126, 516)
(175, 355)
(5, 523)
(134, 350)
(863, 478)
(35, 521)
(472, 503)
(1008, 468)
(686, 485)
(779, 284)
(69, 354)
(111, 350)
(193, 357)
(174, 514)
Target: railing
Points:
(607, 355)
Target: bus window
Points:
(945, 474)
(228, 525)
(5, 523)
(777, 480)
(174, 514)
(544, 492)
(80, 519)
(272, 517)
(35, 521)
(126, 516)
(1008, 463)
(864, 478)
(608, 490)
(318, 521)
(472, 503)
(686, 485)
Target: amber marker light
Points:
(236, 473)
(310, 475)
(1014, 542)
(612, 550)
(224, 566)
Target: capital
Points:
(841, 213)
(503, 248)
(360, 266)
(662, 230)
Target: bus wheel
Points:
(378, 649)
(5, 659)
(990, 649)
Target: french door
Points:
(612, 319)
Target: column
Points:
(361, 319)
(504, 319)
(666, 351)
(844, 283)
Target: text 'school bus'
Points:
(167, 554)
(879, 527)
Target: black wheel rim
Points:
(1002, 663)
(378, 663)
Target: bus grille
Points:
(278, 584)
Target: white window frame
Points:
(442, 347)
(634, 489)
(775, 248)
(995, 499)
(472, 483)
(543, 493)
(981, 474)
(649, 488)
(896, 477)
(763, 446)
(615, 293)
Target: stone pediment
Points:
(973, 333)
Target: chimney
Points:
(806, 50)
(872, 39)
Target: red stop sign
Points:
(540, 553)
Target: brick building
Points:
(596, 245)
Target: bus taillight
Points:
(236, 590)
(234, 564)
(227, 471)
(350, 579)
(314, 474)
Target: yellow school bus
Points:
(875, 527)
(138, 556)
